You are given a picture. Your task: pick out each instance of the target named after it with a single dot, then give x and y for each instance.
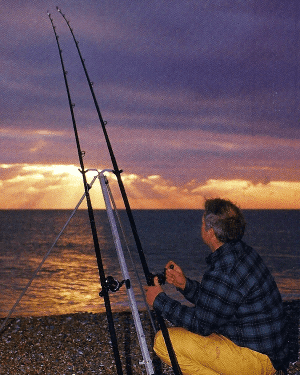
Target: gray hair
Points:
(225, 218)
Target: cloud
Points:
(204, 91)
(174, 154)
(210, 52)
(159, 193)
(273, 194)
(39, 186)
(60, 187)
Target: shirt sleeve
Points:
(216, 300)
(191, 290)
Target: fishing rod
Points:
(116, 169)
(148, 275)
(92, 220)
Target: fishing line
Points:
(148, 275)
(43, 260)
(92, 219)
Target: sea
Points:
(68, 280)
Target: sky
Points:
(201, 100)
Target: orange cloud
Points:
(271, 195)
(24, 186)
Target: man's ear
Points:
(211, 233)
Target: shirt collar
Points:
(212, 258)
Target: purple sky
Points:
(193, 91)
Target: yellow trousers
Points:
(211, 355)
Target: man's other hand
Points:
(174, 275)
(153, 291)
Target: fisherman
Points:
(235, 325)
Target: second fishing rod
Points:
(148, 275)
(105, 294)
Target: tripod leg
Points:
(125, 273)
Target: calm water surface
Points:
(69, 279)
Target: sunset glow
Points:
(201, 99)
(61, 187)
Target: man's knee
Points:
(178, 337)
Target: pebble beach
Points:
(76, 344)
(72, 344)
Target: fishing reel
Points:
(113, 285)
(160, 276)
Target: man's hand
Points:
(153, 291)
(174, 275)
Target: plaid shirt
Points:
(237, 298)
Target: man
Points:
(236, 325)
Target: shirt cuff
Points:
(160, 301)
(188, 287)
